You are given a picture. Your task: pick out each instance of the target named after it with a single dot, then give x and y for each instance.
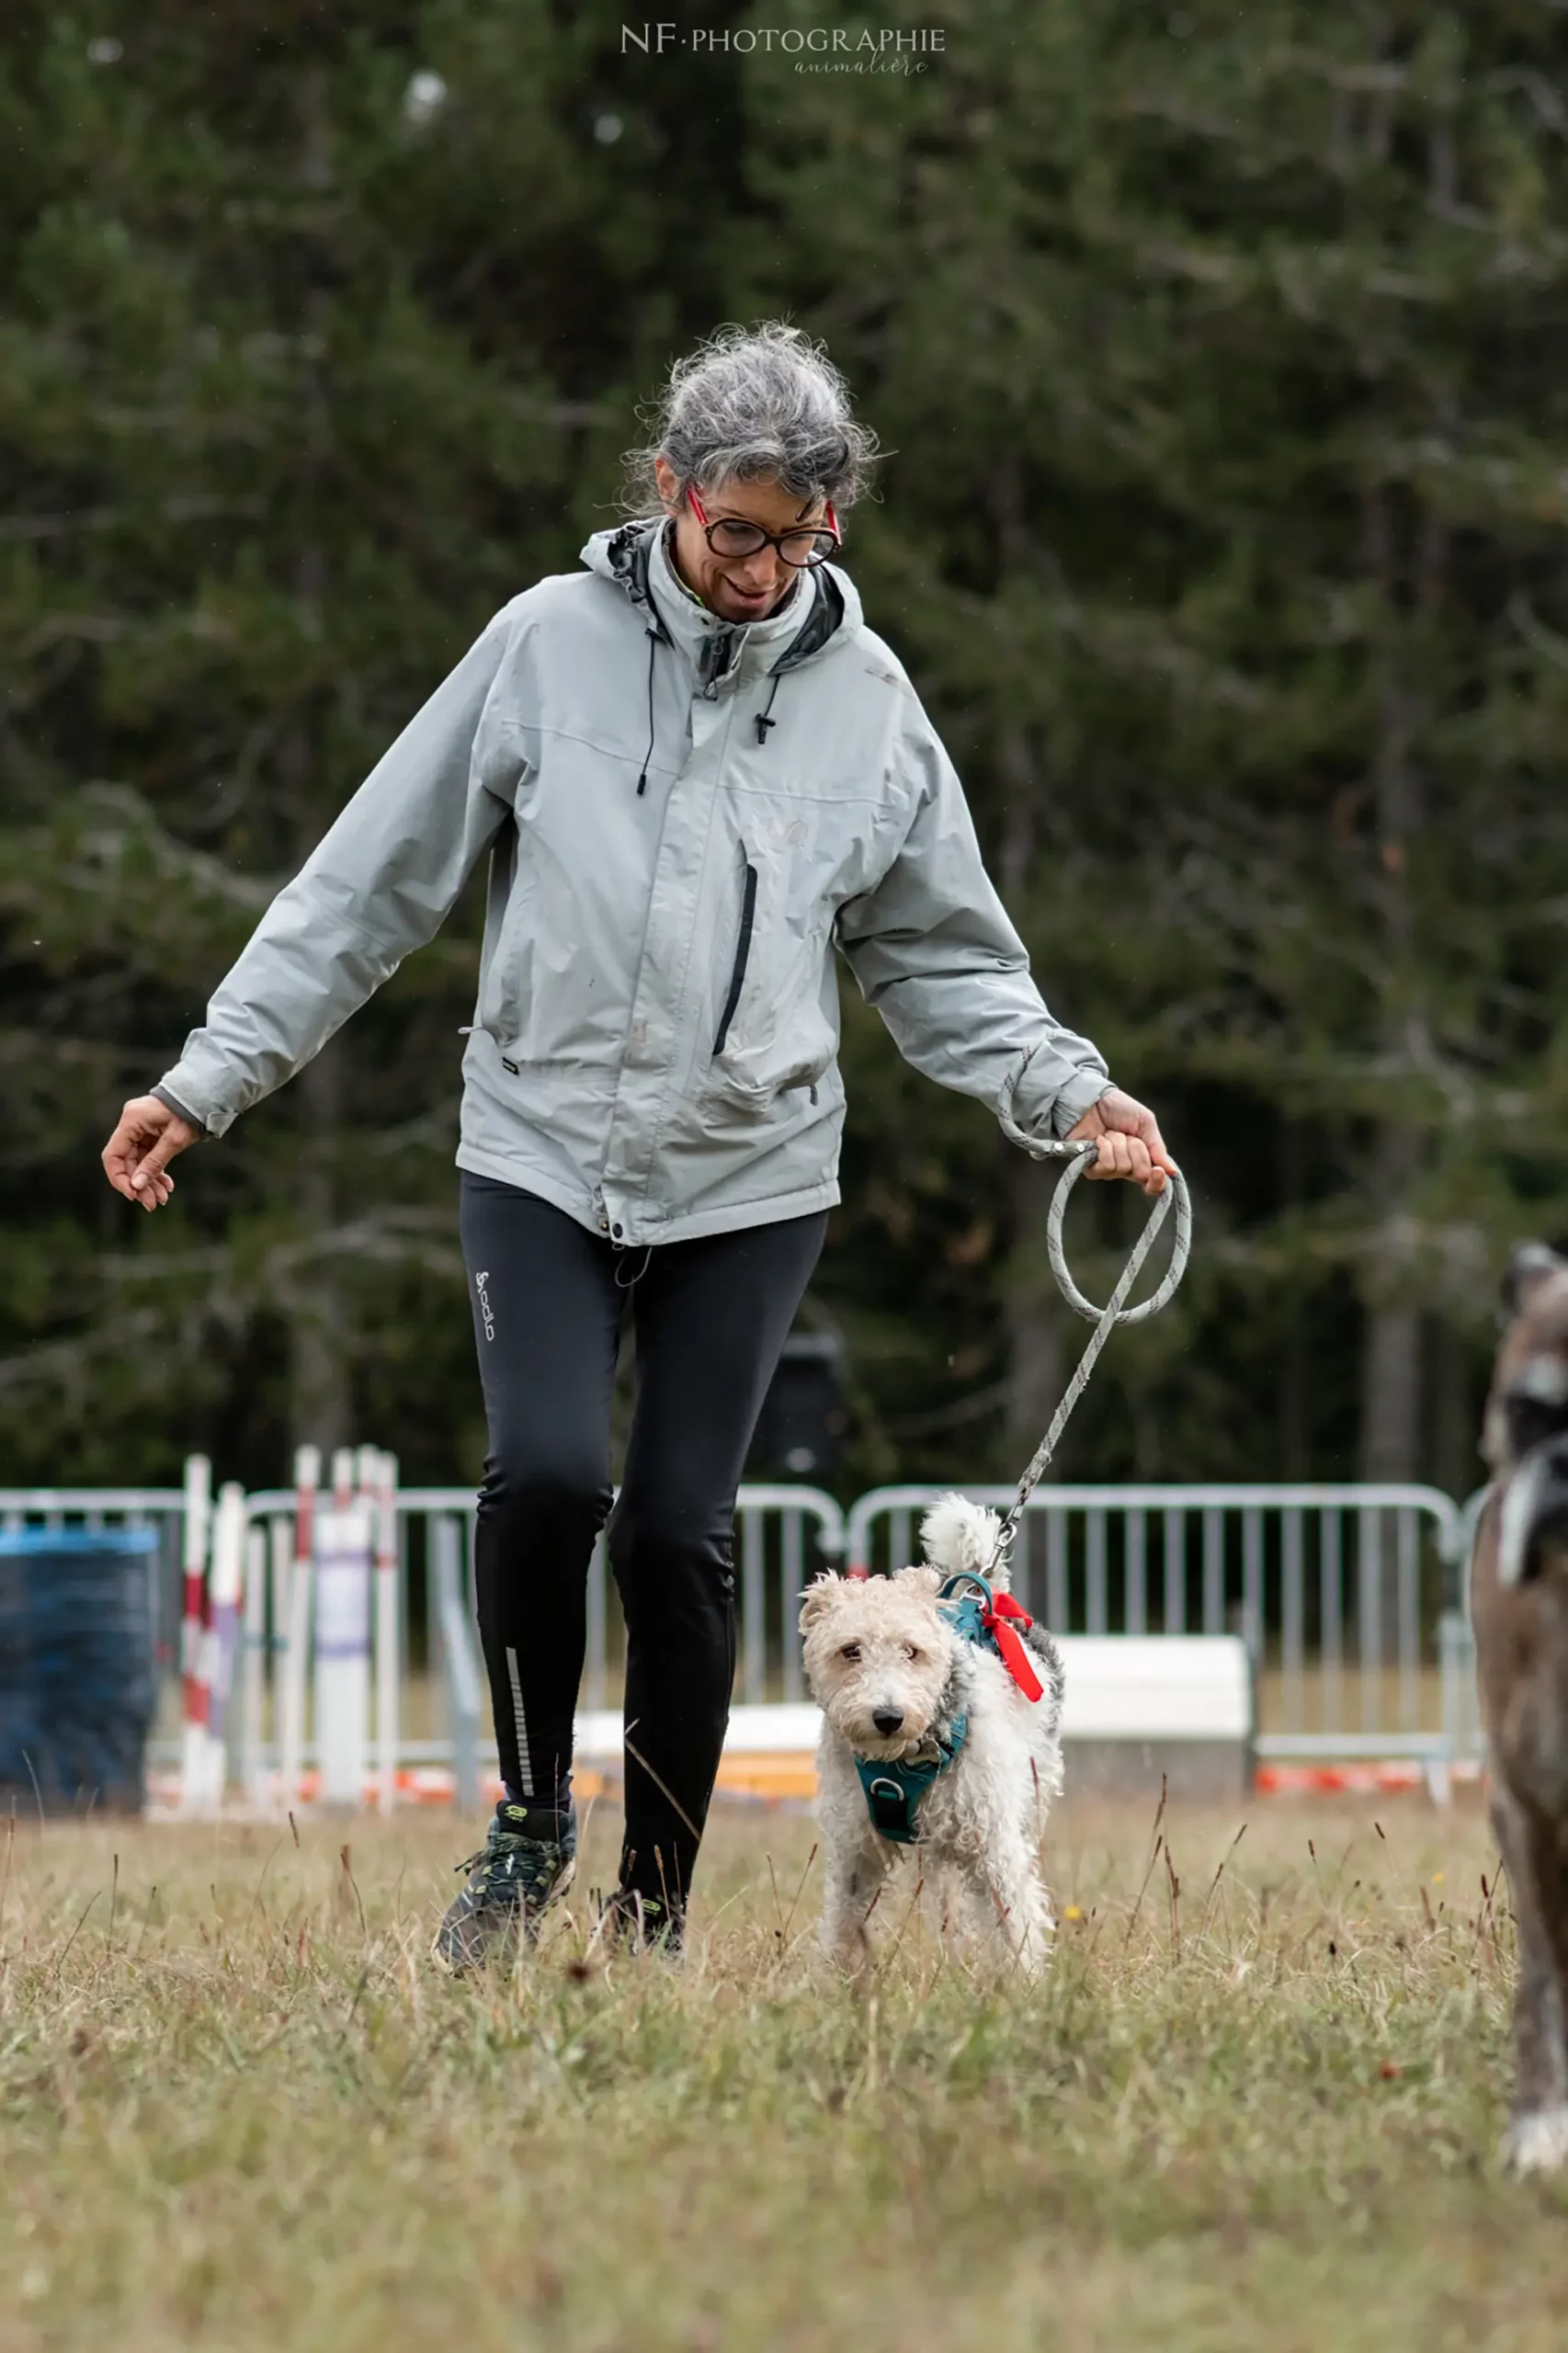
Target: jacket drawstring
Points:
(643, 779)
(764, 722)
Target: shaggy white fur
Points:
(890, 1672)
(1537, 2143)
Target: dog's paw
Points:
(847, 1950)
(1537, 2143)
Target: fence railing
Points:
(1350, 1599)
(785, 1535)
(1340, 1592)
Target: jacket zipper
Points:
(743, 952)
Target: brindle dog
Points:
(1520, 1605)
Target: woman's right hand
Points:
(136, 1156)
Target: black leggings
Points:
(710, 1318)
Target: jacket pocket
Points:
(742, 955)
(775, 1031)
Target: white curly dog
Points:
(970, 1763)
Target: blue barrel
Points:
(77, 1683)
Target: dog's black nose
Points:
(887, 1719)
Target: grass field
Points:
(238, 2109)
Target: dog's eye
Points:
(911, 1652)
(850, 1650)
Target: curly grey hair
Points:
(760, 403)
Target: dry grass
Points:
(238, 2109)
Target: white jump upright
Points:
(253, 1689)
(293, 1663)
(195, 1524)
(378, 1477)
(276, 1609)
(345, 1546)
(221, 1638)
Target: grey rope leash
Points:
(1079, 1157)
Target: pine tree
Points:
(1222, 539)
(326, 328)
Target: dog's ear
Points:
(922, 1575)
(1530, 1265)
(817, 1597)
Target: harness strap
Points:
(997, 1616)
(894, 1791)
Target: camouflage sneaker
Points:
(629, 1922)
(513, 1876)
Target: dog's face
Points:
(1526, 1440)
(878, 1653)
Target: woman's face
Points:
(738, 589)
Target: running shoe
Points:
(524, 1864)
(631, 1922)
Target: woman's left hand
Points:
(1128, 1139)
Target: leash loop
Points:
(1175, 1192)
(1079, 1157)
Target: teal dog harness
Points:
(990, 1621)
(893, 1791)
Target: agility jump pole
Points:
(345, 1549)
(378, 1473)
(295, 1664)
(194, 1694)
(252, 1687)
(221, 1637)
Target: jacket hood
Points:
(635, 557)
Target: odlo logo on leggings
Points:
(479, 1283)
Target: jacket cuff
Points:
(181, 1110)
(1050, 1093)
(184, 1091)
(1080, 1094)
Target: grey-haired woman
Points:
(696, 773)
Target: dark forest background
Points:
(1221, 355)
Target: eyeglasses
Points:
(733, 535)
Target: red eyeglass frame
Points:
(769, 539)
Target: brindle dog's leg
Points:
(1537, 2138)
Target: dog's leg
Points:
(1007, 1901)
(857, 1865)
(1537, 2138)
(1034, 1921)
(856, 1862)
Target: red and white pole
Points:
(194, 1692)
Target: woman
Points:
(697, 773)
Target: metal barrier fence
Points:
(1341, 1593)
(1350, 1599)
(786, 1534)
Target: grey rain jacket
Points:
(683, 818)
